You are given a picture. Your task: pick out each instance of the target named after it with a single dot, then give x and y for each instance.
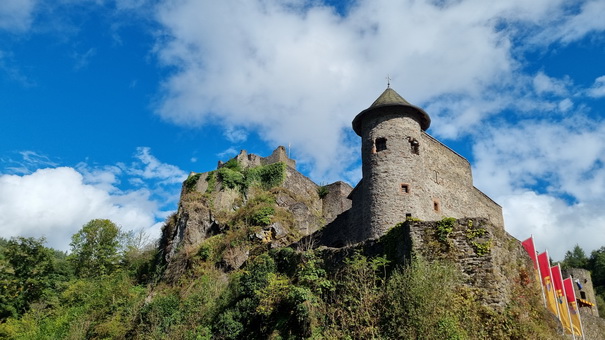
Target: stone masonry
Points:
(407, 173)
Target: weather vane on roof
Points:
(388, 78)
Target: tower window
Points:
(405, 188)
(436, 205)
(381, 144)
(414, 145)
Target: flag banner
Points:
(573, 307)
(531, 251)
(557, 280)
(530, 248)
(549, 291)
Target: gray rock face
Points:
(200, 208)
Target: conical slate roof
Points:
(390, 98)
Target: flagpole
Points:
(531, 236)
(553, 287)
(567, 306)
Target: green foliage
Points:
(233, 164)
(596, 264)
(575, 258)
(27, 272)
(95, 248)
(162, 312)
(211, 179)
(86, 308)
(472, 233)
(355, 307)
(322, 191)
(600, 304)
(262, 216)
(482, 248)
(421, 302)
(444, 228)
(191, 182)
(232, 179)
(267, 176)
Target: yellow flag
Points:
(575, 318)
(563, 308)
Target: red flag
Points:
(573, 307)
(569, 292)
(530, 248)
(549, 291)
(561, 300)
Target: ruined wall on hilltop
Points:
(583, 288)
(489, 258)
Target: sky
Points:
(107, 105)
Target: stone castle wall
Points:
(447, 179)
(586, 292)
(489, 269)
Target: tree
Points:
(575, 259)
(597, 268)
(96, 248)
(26, 270)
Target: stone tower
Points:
(391, 134)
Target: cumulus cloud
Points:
(555, 224)
(550, 179)
(545, 84)
(302, 75)
(298, 72)
(598, 88)
(149, 167)
(55, 202)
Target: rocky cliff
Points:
(265, 200)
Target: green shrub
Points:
(231, 178)
(322, 191)
(191, 182)
(267, 176)
(262, 216)
(211, 179)
(421, 301)
(444, 228)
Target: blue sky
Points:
(107, 105)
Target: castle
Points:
(406, 174)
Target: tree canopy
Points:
(95, 248)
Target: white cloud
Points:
(565, 161)
(151, 168)
(229, 152)
(235, 135)
(598, 88)
(299, 72)
(56, 202)
(299, 75)
(545, 84)
(16, 15)
(555, 225)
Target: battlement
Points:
(247, 160)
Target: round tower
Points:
(391, 153)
